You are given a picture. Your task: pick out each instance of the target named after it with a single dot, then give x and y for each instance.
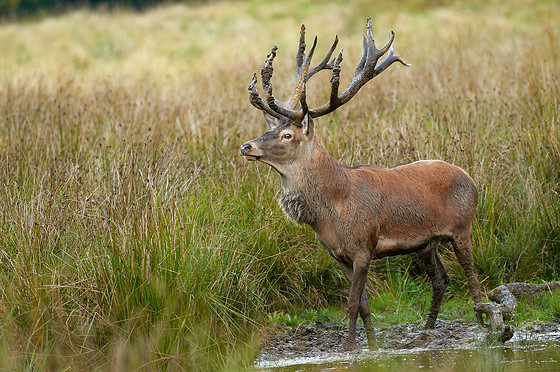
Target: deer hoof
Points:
(351, 346)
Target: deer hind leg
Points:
(363, 307)
(462, 244)
(429, 258)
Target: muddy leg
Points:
(463, 249)
(436, 272)
(363, 307)
(365, 314)
(359, 276)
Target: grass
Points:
(307, 317)
(542, 308)
(133, 235)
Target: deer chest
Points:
(297, 208)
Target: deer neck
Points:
(310, 187)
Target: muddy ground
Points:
(315, 341)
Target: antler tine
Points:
(273, 104)
(370, 55)
(389, 44)
(300, 56)
(325, 64)
(371, 49)
(267, 70)
(299, 87)
(362, 62)
(256, 100)
(389, 60)
(335, 80)
(365, 71)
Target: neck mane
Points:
(308, 191)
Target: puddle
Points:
(453, 346)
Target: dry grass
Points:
(133, 235)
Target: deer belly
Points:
(393, 247)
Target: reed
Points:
(133, 235)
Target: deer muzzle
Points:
(246, 150)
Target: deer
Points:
(362, 213)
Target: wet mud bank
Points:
(323, 342)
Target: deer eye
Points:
(287, 136)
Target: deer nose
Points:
(245, 148)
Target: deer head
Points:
(290, 137)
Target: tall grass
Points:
(133, 235)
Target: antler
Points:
(365, 71)
(275, 107)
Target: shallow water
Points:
(527, 351)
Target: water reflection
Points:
(520, 355)
(505, 358)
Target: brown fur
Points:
(365, 212)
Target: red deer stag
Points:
(364, 212)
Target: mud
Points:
(325, 341)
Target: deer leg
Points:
(359, 276)
(436, 272)
(463, 250)
(365, 314)
(363, 307)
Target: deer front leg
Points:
(363, 307)
(359, 276)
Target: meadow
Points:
(134, 236)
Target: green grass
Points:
(307, 317)
(133, 235)
(542, 308)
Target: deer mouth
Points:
(252, 157)
(246, 150)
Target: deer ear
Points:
(271, 120)
(307, 126)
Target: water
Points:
(525, 352)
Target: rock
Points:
(504, 299)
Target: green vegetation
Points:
(133, 235)
(539, 309)
(307, 317)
